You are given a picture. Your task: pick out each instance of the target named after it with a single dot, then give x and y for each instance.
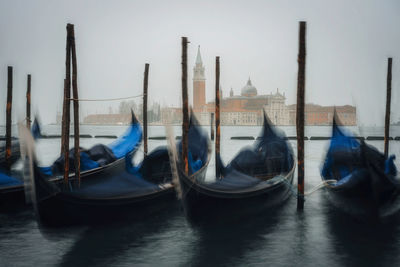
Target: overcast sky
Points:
(347, 49)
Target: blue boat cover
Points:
(100, 155)
(127, 142)
(6, 180)
(346, 159)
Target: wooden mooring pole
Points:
(212, 126)
(28, 102)
(8, 115)
(66, 107)
(185, 107)
(300, 114)
(217, 119)
(145, 85)
(388, 101)
(76, 103)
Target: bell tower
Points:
(199, 83)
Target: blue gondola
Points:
(112, 192)
(11, 182)
(366, 184)
(258, 177)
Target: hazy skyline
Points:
(347, 49)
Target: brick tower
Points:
(199, 83)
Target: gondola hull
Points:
(62, 208)
(12, 198)
(202, 204)
(361, 201)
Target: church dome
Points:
(249, 89)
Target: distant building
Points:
(247, 108)
(124, 115)
(323, 115)
(121, 119)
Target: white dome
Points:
(249, 89)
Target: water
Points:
(319, 236)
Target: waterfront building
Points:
(323, 115)
(247, 108)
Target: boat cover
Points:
(6, 181)
(348, 161)
(121, 183)
(100, 155)
(233, 180)
(155, 167)
(270, 155)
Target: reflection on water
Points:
(227, 244)
(361, 243)
(111, 244)
(320, 236)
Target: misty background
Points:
(347, 49)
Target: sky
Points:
(348, 43)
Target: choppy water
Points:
(319, 236)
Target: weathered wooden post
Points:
(388, 100)
(76, 102)
(66, 107)
(300, 114)
(145, 85)
(185, 107)
(8, 116)
(217, 119)
(28, 103)
(212, 126)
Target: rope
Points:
(105, 99)
(325, 183)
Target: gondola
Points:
(111, 192)
(258, 177)
(359, 179)
(12, 182)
